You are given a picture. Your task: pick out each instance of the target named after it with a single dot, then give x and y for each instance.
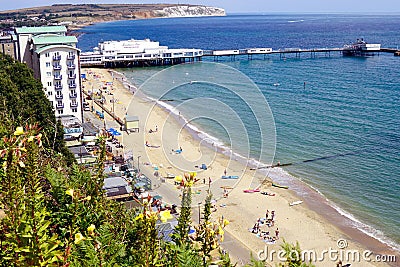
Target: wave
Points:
(294, 21)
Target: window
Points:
(58, 93)
(47, 55)
(48, 64)
(48, 74)
(59, 103)
(50, 93)
(74, 110)
(57, 53)
(60, 111)
(48, 83)
(73, 92)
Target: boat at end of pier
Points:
(361, 48)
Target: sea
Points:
(337, 119)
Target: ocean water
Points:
(338, 114)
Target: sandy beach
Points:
(159, 160)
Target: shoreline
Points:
(312, 208)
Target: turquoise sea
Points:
(338, 114)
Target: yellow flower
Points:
(225, 222)
(220, 231)
(70, 192)
(78, 238)
(91, 228)
(30, 139)
(178, 178)
(19, 131)
(87, 198)
(193, 174)
(139, 217)
(165, 215)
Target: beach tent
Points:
(132, 123)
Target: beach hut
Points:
(132, 123)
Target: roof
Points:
(114, 182)
(38, 30)
(47, 47)
(54, 39)
(131, 118)
(79, 151)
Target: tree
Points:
(23, 98)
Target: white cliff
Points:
(189, 11)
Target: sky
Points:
(243, 6)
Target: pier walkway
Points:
(192, 55)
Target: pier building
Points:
(137, 53)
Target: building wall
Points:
(24, 53)
(65, 97)
(8, 47)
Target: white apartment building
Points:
(54, 58)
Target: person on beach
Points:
(266, 215)
(204, 180)
(272, 215)
(277, 233)
(209, 181)
(156, 129)
(225, 172)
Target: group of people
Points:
(269, 222)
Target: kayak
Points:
(251, 190)
(230, 177)
(268, 194)
(280, 186)
(295, 203)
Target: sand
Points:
(295, 223)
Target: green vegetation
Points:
(23, 102)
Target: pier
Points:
(141, 53)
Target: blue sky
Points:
(235, 6)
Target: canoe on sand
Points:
(280, 186)
(230, 177)
(295, 203)
(251, 190)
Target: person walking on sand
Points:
(225, 172)
(266, 215)
(209, 181)
(277, 233)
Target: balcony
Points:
(73, 76)
(57, 67)
(72, 85)
(60, 96)
(70, 57)
(71, 66)
(58, 87)
(57, 77)
(60, 105)
(74, 105)
(57, 57)
(73, 95)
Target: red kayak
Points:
(251, 190)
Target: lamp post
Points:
(138, 166)
(199, 210)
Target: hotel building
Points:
(54, 58)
